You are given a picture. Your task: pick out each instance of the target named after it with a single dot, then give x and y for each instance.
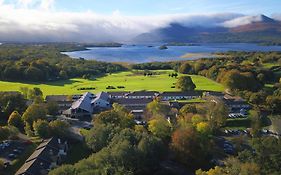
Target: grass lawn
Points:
(131, 81)
(241, 123)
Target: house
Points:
(101, 101)
(82, 107)
(166, 96)
(142, 95)
(63, 101)
(48, 155)
(117, 95)
(135, 106)
(87, 104)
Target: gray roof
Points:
(84, 102)
(128, 101)
(187, 93)
(117, 93)
(56, 98)
(102, 95)
(143, 93)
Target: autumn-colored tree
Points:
(185, 83)
(33, 113)
(188, 147)
(15, 120)
(160, 127)
(186, 68)
(156, 108)
(41, 128)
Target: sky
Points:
(116, 20)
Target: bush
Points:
(110, 87)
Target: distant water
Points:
(150, 53)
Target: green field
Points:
(130, 80)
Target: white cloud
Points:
(36, 20)
(242, 21)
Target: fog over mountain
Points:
(43, 24)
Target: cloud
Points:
(242, 21)
(37, 21)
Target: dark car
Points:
(16, 151)
(12, 156)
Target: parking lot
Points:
(11, 150)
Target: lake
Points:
(151, 52)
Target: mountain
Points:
(261, 29)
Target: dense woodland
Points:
(45, 62)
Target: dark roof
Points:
(52, 142)
(187, 93)
(143, 93)
(34, 167)
(128, 101)
(44, 153)
(56, 98)
(235, 102)
(41, 158)
(9, 92)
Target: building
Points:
(167, 96)
(88, 104)
(142, 95)
(63, 101)
(117, 95)
(219, 95)
(101, 101)
(48, 155)
(81, 108)
(135, 106)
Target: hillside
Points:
(266, 30)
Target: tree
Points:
(188, 146)
(59, 128)
(52, 108)
(274, 104)
(156, 108)
(186, 68)
(63, 170)
(256, 124)
(33, 113)
(4, 133)
(41, 128)
(36, 95)
(188, 108)
(2, 166)
(217, 114)
(100, 136)
(10, 103)
(15, 120)
(160, 127)
(185, 83)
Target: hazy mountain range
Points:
(260, 29)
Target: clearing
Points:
(131, 80)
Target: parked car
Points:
(12, 156)
(16, 151)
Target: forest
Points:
(45, 62)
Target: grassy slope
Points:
(131, 81)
